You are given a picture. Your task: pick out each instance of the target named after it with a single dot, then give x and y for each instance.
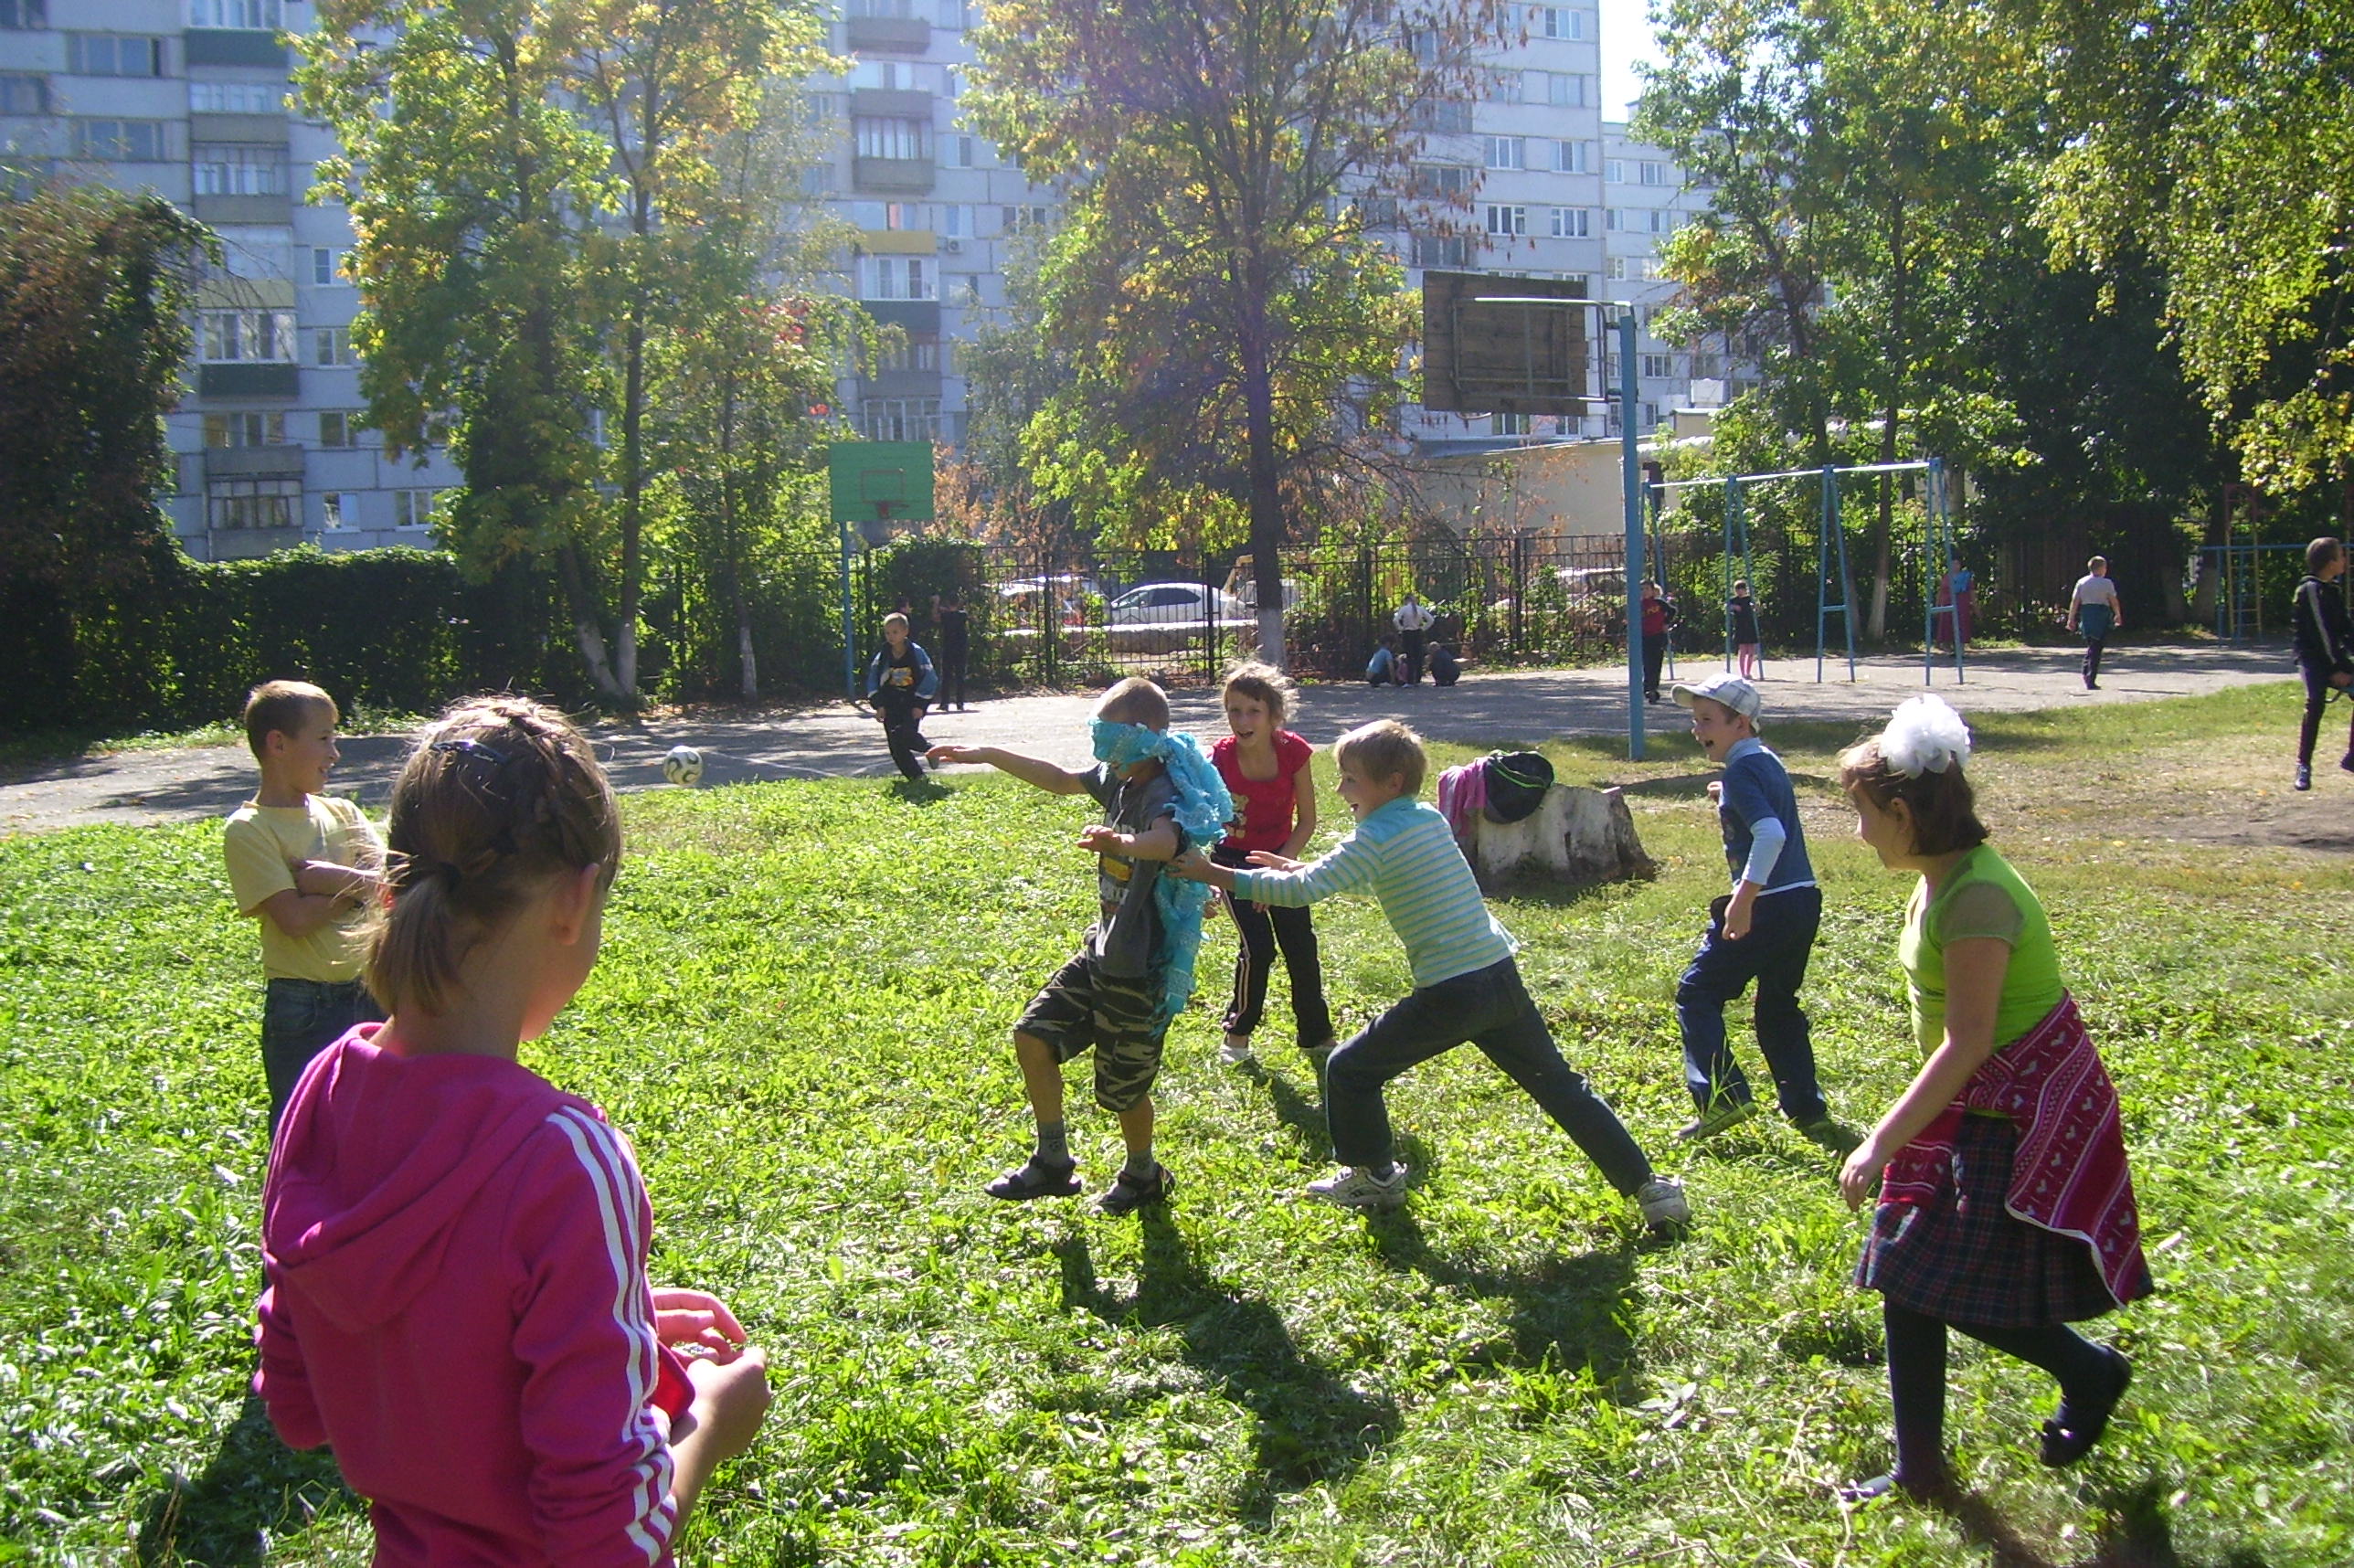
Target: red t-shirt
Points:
(1263, 806)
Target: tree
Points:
(96, 291)
(1229, 319)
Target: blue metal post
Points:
(1940, 552)
(1824, 609)
(849, 624)
(1632, 478)
(1731, 512)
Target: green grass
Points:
(800, 1020)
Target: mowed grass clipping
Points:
(801, 1019)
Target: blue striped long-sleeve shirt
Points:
(1404, 854)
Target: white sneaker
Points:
(1354, 1187)
(1234, 1051)
(1662, 1199)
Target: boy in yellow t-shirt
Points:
(305, 864)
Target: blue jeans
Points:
(1491, 1008)
(300, 1019)
(1781, 938)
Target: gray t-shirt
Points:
(1125, 941)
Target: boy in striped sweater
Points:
(1466, 986)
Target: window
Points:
(898, 277)
(19, 15)
(248, 14)
(1508, 424)
(954, 16)
(1504, 153)
(330, 265)
(1658, 366)
(1613, 219)
(876, 137)
(897, 10)
(954, 220)
(236, 98)
(237, 168)
(1020, 219)
(245, 429)
(24, 94)
(1443, 179)
(102, 54)
(1506, 87)
(1564, 90)
(1650, 415)
(332, 345)
(1614, 171)
(918, 354)
(126, 140)
(1659, 221)
(339, 509)
(1573, 157)
(1650, 173)
(253, 502)
(1433, 250)
(1507, 220)
(899, 418)
(340, 427)
(1573, 223)
(955, 152)
(1707, 367)
(1618, 269)
(1563, 21)
(1446, 116)
(414, 508)
(239, 336)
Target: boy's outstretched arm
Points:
(1050, 777)
(1161, 841)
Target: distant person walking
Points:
(2093, 612)
(2324, 647)
(1741, 620)
(955, 648)
(1414, 620)
(1658, 612)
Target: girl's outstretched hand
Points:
(699, 1319)
(1861, 1170)
(1273, 862)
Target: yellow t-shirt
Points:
(264, 844)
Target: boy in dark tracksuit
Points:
(1763, 932)
(899, 683)
(2324, 647)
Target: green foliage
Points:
(799, 1018)
(95, 292)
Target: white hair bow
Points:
(1925, 735)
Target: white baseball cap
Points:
(1728, 689)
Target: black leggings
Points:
(2317, 697)
(1916, 1377)
(1264, 927)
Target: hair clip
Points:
(469, 748)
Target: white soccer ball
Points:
(683, 766)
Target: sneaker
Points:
(1234, 1051)
(1354, 1187)
(1662, 1199)
(2347, 762)
(1716, 1119)
(2305, 775)
(1129, 1193)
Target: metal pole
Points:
(849, 623)
(1632, 479)
(1732, 504)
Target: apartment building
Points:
(1649, 198)
(189, 99)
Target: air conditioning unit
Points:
(953, 246)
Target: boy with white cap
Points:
(1763, 931)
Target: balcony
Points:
(251, 463)
(253, 380)
(892, 177)
(262, 130)
(919, 318)
(239, 47)
(890, 35)
(899, 383)
(246, 543)
(891, 103)
(277, 211)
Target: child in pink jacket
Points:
(455, 1249)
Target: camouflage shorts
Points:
(1082, 1011)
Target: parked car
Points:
(1171, 604)
(1067, 592)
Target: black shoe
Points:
(2347, 762)
(1939, 1487)
(2069, 1436)
(2305, 775)
(1129, 1194)
(1035, 1178)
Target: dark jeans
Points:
(1781, 938)
(2095, 622)
(1264, 927)
(1491, 1008)
(902, 732)
(300, 1019)
(1410, 645)
(952, 664)
(1654, 654)
(2317, 697)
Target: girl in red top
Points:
(1267, 767)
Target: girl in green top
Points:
(1978, 961)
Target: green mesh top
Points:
(1983, 898)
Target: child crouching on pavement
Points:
(1134, 968)
(1467, 985)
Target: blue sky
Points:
(1626, 39)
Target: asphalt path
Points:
(836, 741)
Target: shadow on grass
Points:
(252, 1488)
(1568, 1312)
(1303, 1116)
(2142, 1535)
(1308, 1424)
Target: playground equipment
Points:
(1830, 545)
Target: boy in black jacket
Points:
(2324, 647)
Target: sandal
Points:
(1129, 1194)
(2068, 1437)
(1878, 1487)
(1034, 1178)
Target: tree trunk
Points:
(634, 501)
(586, 632)
(1884, 527)
(1265, 479)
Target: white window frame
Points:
(1507, 220)
(237, 168)
(891, 137)
(332, 346)
(899, 418)
(415, 508)
(1573, 223)
(337, 265)
(338, 511)
(245, 337)
(898, 277)
(116, 140)
(1566, 23)
(105, 54)
(1505, 153)
(236, 16)
(260, 501)
(236, 98)
(957, 152)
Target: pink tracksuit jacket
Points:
(455, 1254)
